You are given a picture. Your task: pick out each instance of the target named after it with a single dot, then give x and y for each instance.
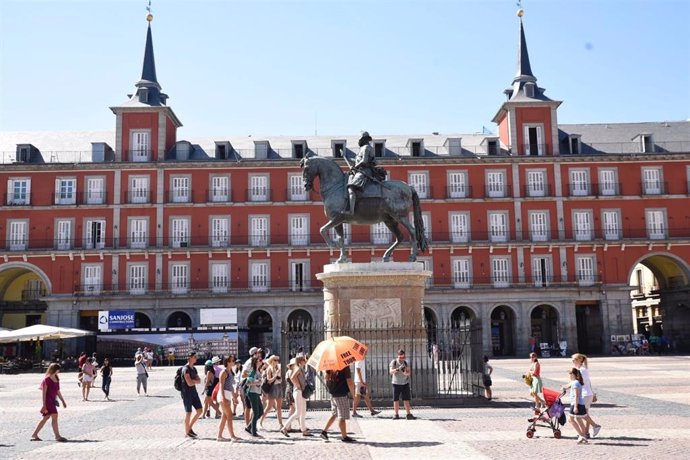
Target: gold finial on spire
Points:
(149, 17)
(520, 11)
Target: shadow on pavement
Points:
(6, 445)
(81, 441)
(406, 444)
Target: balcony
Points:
(534, 149)
(138, 196)
(258, 194)
(89, 198)
(459, 191)
(653, 187)
(139, 155)
(17, 199)
(580, 189)
(498, 191)
(537, 190)
(607, 189)
(219, 195)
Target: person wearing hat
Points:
(289, 387)
(362, 171)
(246, 368)
(274, 397)
(190, 397)
(210, 381)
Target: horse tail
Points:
(422, 243)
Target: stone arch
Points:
(142, 320)
(503, 330)
(12, 271)
(260, 327)
(299, 318)
(544, 321)
(671, 271)
(179, 319)
(462, 314)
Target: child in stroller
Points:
(552, 416)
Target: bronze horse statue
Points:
(392, 207)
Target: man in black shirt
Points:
(339, 384)
(190, 397)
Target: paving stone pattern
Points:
(644, 409)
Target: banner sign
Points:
(217, 316)
(115, 319)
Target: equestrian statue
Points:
(362, 196)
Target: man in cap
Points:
(363, 169)
(339, 384)
(246, 368)
(190, 397)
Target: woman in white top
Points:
(275, 395)
(142, 375)
(87, 379)
(580, 363)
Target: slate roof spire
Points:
(148, 73)
(524, 70)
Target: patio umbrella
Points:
(41, 332)
(336, 353)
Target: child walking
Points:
(578, 411)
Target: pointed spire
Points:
(148, 73)
(524, 70)
(148, 89)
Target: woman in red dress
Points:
(50, 389)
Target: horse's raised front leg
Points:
(337, 223)
(395, 229)
(340, 231)
(324, 233)
(413, 237)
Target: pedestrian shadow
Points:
(158, 396)
(6, 445)
(81, 441)
(404, 445)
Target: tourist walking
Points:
(577, 405)
(299, 383)
(289, 388)
(80, 363)
(96, 368)
(226, 394)
(246, 368)
(86, 379)
(50, 391)
(536, 388)
(142, 375)
(210, 382)
(254, 380)
(486, 378)
(274, 395)
(580, 363)
(400, 372)
(107, 374)
(361, 389)
(339, 384)
(190, 397)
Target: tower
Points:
(527, 120)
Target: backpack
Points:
(177, 383)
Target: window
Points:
(220, 189)
(460, 227)
(608, 185)
(379, 148)
(539, 225)
(95, 190)
(261, 150)
(347, 233)
(426, 221)
(574, 144)
(141, 146)
(534, 140)
(138, 189)
(498, 227)
(220, 277)
(64, 234)
(529, 89)
(179, 232)
(19, 192)
(296, 191)
(495, 184)
(380, 234)
(500, 272)
(462, 272)
(138, 233)
(299, 230)
(416, 148)
(541, 271)
(585, 270)
(94, 234)
(93, 279)
(536, 183)
(258, 231)
(136, 283)
(582, 225)
(611, 227)
(299, 275)
(454, 145)
(180, 189)
(651, 181)
(656, 224)
(65, 191)
(419, 181)
(258, 281)
(179, 278)
(298, 149)
(220, 232)
(579, 182)
(646, 143)
(18, 235)
(258, 188)
(492, 147)
(338, 148)
(457, 184)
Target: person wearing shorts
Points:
(578, 411)
(486, 378)
(339, 384)
(361, 390)
(400, 378)
(190, 397)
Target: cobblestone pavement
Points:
(644, 409)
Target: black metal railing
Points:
(459, 191)
(219, 195)
(654, 187)
(503, 191)
(580, 189)
(536, 191)
(138, 196)
(17, 199)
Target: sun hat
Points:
(215, 360)
(292, 362)
(253, 350)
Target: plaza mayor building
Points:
(544, 229)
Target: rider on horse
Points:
(363, 171)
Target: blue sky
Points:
(290, 67)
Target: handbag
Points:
(266, 387)
(307, 391)
(528, 379)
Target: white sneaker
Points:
(596, 431)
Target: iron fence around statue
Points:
(446, 359)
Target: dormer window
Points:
(492, 147)
(454, 145)
(416, 147)
(299, 149)
(379, 148)
(144, 95)
(574, 144)
(260, 150)
(338, 148)
(646, 143)
(529, 89)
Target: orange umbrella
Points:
(336, 353)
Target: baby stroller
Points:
(553, 416)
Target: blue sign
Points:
(120, 319)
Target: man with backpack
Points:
(339, 384)
(400, 376)
(186, 379)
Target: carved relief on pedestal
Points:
(376, 311)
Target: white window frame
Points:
(539, 277)
(137, 278)
(496, 183)
(22, 197)
(179, 231)
(92, 279)
(419, 180)
(608, 181)
(655, 221)
(64, 234)
(140, 145)
(259, 230)
(539, 227)
(95, 190)
(66, 190)
(91, 240)
(496, 233)
(299, 229)
(462, 272)
(296, 190)
(138, 232)
(459, 227)
(179, 277)
(652, 181)
(380, 234)
(579, 182)
(220, 188)
(259, 275)
(347, 233)
(219, 279)
(139, 189)
(428, 266)
(258, 187)
(17, 234)
(500, 271)
(180, 189)
(583, 229)
(295, 279)
(220, 231)
(540, 138)
(585, 270)
(611, 229)
(536, 182)
(458, 184)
